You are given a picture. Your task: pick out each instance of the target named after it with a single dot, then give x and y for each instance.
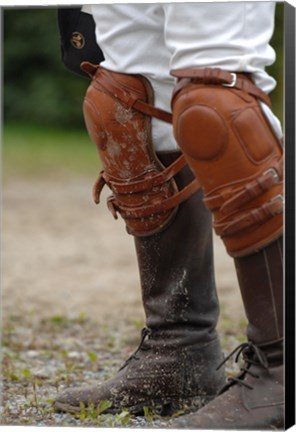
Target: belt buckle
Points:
(233, 81)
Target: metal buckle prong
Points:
(233, 82)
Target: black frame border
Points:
(289, 131)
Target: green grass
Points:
(28, 150)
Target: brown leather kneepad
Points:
(117, 111)
(234, 154)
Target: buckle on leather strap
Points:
(233, 81)
(274, 174)
(277, 204)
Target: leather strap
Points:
(217, 76)
(142, 185)
(113, 88)
(173, 201)
(230, 199)
(148, 183)
(253, 217)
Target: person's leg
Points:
(235, 152)
(131, 37)
(175, 365)
(233, 37)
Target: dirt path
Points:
(62, 255)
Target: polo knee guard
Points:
(117, 111)
(236, 157)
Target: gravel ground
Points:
(71, 306)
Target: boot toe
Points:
(228, 412)
(72, 400)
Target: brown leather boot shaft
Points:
(177, 267)
(260, 277)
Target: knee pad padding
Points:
(190, 123)
(237, 159)
(144, 193)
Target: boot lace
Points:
(145, 332)
(252, 355)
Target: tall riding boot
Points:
(255, 398)
(232, 150)
(174, 367)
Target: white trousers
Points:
(153, 39)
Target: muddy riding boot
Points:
(234, 153)
(255, 398)
(175, 366)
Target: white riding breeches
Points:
(153, 39)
